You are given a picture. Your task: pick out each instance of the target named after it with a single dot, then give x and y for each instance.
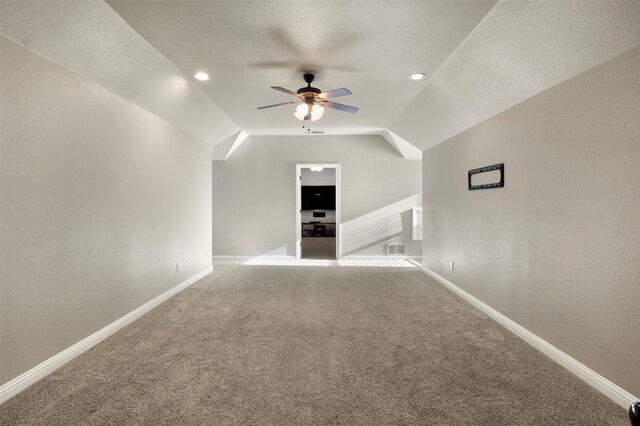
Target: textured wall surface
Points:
(99, 200)
(557, 248)
(254, 193)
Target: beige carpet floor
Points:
(281, 345)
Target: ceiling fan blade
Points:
(335, 93)
(275, 105)
(341, 107)
(287, 91)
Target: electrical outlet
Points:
(451, 265)
(178, 266)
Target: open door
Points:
(317, 211)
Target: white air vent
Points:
(395, 249)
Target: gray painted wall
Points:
(254, 193)
(557, 249)
(99, 200)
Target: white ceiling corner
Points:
(242, 136)
(404, 148)
(220, 152)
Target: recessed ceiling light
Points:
(417, 76)
(202, 76)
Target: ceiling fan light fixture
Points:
(311, 101)
(302, 111)
(417, 76)
(201, 75)
(316, 168)
(317, 111)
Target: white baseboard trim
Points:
(230, 257)
(381, 257)
(286, 257)
(595, 380)
(261, 256)
(45, 368)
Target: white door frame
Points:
(299, 168)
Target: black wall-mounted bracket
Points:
(499, 184)
(634, 414)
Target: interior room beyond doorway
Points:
(318, 212)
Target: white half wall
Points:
(99, 201)
(556, 250)
(254, 194)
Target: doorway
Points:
(317, 211)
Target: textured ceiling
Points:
(480, 58)
(87, 37)
(518, 50)
(370, 47)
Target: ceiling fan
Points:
(311, 101)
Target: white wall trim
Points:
(47, 367)
(232, 257)
(595, 380)
(259, 256)
(287, 257)
(382, 257)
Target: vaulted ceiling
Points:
(370, 47)
(480, 57)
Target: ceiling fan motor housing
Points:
(312, 91)
(309, 92)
